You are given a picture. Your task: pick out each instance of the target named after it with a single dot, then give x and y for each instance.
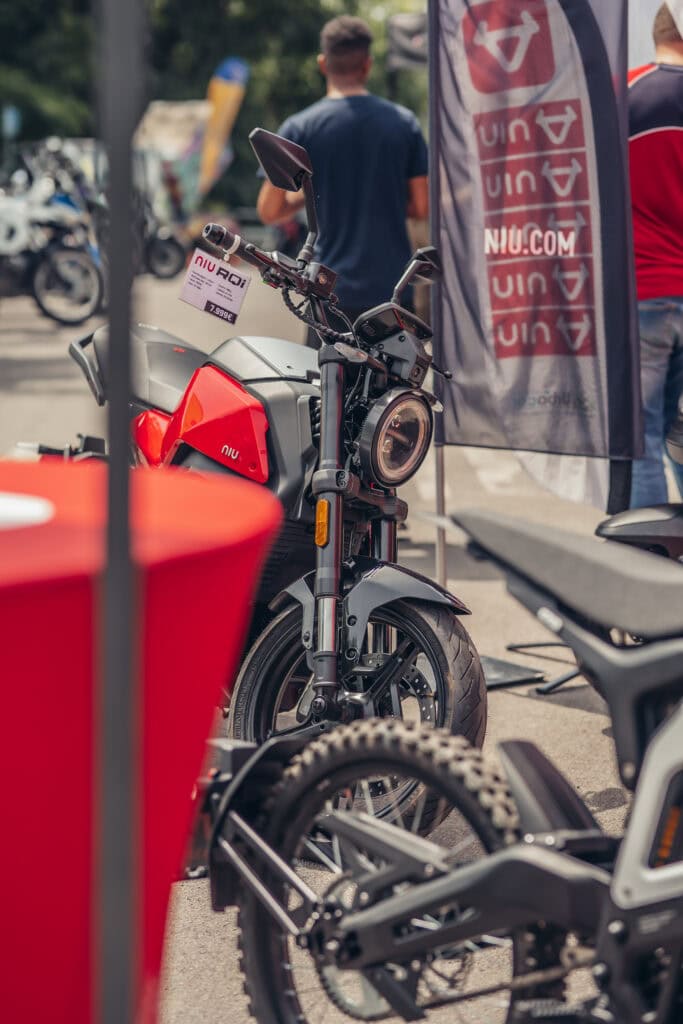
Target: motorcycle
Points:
(163, 255)
(386, 872)
(339, 631)
(45, 250)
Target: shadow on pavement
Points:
(30, 375)
(581, 697)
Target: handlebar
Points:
(226, 244)
(309, 280)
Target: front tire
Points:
(67, 286)
(443, 685)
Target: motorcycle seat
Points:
(161, 365)
(659, 529)
(609, 584)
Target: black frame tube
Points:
(120, 36)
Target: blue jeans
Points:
(661, 377)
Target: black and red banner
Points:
(536, 314)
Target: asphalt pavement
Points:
(43, 397)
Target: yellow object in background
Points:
(225, 93)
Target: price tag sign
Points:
(214, 286)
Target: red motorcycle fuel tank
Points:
(217, 417)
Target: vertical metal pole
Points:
(441, 569)
(433, 15)
(120, 52)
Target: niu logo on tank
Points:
(230, 453)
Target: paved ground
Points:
(44, 398)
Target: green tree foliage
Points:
(46, 60)
(45, 64)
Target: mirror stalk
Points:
(404, 280)
(306, 253)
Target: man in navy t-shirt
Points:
(369, 162)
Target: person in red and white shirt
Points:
(656, 163)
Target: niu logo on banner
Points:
(508, 48)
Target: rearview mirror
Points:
(425, 264)
(286, 165)
(429, 264)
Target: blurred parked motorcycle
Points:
(46, 251)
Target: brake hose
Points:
(327, 332)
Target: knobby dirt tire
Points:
(458, 771)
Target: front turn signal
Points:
(322, 522)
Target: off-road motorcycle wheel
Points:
(464, 803)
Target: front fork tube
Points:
(329, 555)
(384, 547)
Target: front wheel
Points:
(418, 664)
(67, 285)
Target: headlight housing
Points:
(395, 437)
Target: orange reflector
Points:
(322, 522)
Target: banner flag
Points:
(225, 93)
(192, 137)
(535, 316)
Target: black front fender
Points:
(379, 583)
(369, 584)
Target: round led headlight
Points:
(395, 437)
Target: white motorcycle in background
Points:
(46, 251)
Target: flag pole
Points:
(440, 548)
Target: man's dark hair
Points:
(345, 43)
(664, 29)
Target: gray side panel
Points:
(291, 452)
(634, 884)
(254, 358)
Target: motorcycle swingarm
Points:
(508, 889)
(373, 584)
(229, 804)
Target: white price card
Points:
(214, 286)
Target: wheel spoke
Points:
(396, 804)
(419, 809)
(396, 709)
(365, 788)
(392, 671)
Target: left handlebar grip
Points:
(216, 234)
(227, 244)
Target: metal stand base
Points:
(553, 684)
(505, 673)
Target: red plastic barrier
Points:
(198, 545)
